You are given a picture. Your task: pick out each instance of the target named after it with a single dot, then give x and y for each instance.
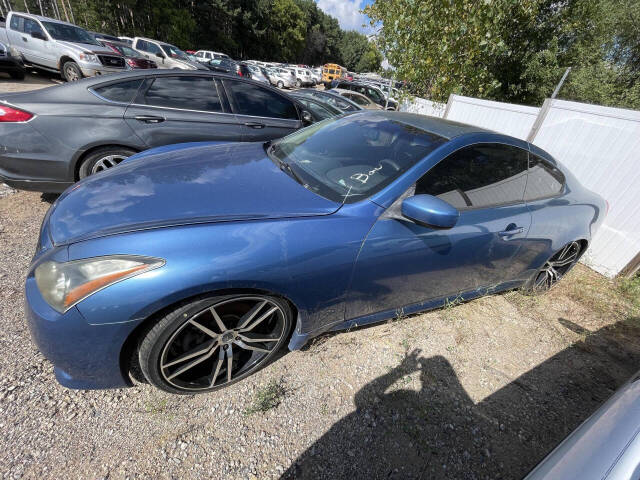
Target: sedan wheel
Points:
(211, 343)
(103, 159)
(556, 267)
(280, 84)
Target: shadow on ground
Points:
(439, 432)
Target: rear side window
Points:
(478, 176)
(123, 92)
(187, 93)
(544, 180)
(254, 100)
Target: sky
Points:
(348, 13)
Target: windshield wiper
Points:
(285, 167)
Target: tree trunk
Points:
(64, 8)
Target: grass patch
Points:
(156, 405)
(630, 289)
(266, 398)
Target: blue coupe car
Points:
(194, 264)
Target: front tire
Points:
(71, 71)
(280, 84)
(103, 159)
(214, 341)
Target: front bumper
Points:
(85, 356)
(11, 64)
(92, 69)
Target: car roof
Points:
(45, 19)
(154, 41)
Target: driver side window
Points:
(478, 176)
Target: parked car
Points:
(373, 93)
(360, 99)
(303, 77)
(57, 46)
(318, 109)
(104, 36)
(10, 63)
(316, 75)
(196, 263)
(224, 65)
(133, 58)
(127, 40)
(605, 446)
(281, 78)
(164, 54)
(55, 136)
(253, 72)
(205, 56)
(335, 100)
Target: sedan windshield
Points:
(69, 33)
(174, 52)
(346, 159)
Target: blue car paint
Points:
(226, 218)
(431, 211)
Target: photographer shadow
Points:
(439, 432)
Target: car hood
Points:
(86, 48)
(181, 185)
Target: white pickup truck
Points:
(56, 46)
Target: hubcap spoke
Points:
(218, 320)
(244, 338)
(241, 344)
(259, 320)
(199, 350)
(247, 317)
(221, 356)
(229, 362)
(209, 332)
(190, 365)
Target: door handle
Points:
(510, 232)
(24, 39)
(254, 125)
(149, 119)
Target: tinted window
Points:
(478, 176)
(253, 100)
(318, 112)
(31, 26)
(17, 23)
(189, 93)
(544, 180)
(123, 92)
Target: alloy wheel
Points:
(222, 342)
(556, 267)
(107, 162)
(71, 72)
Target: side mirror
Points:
(160, 55)
(430, 211)
(39, 35)
(307, 119)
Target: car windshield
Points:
(126, 51)
(69, 33)
(346, 159)
(174, 52)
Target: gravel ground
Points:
(479, 390)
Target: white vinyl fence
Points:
(600, 145)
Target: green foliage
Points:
(512, 50)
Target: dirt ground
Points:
(479, 390)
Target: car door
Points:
(181, 108)
(38, 49)
(403, 263)
(16, 35)
(264, 112)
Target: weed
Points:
(266, 398)
(155, 405)
(630, 289)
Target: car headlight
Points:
(89, 57)
(64, 284)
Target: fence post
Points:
(546, 106)
(448, 107)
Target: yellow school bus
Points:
(332, 71)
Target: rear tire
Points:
(103, 159)
(280, 84)
(71, 71)
(213, 341)
(555, 268)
